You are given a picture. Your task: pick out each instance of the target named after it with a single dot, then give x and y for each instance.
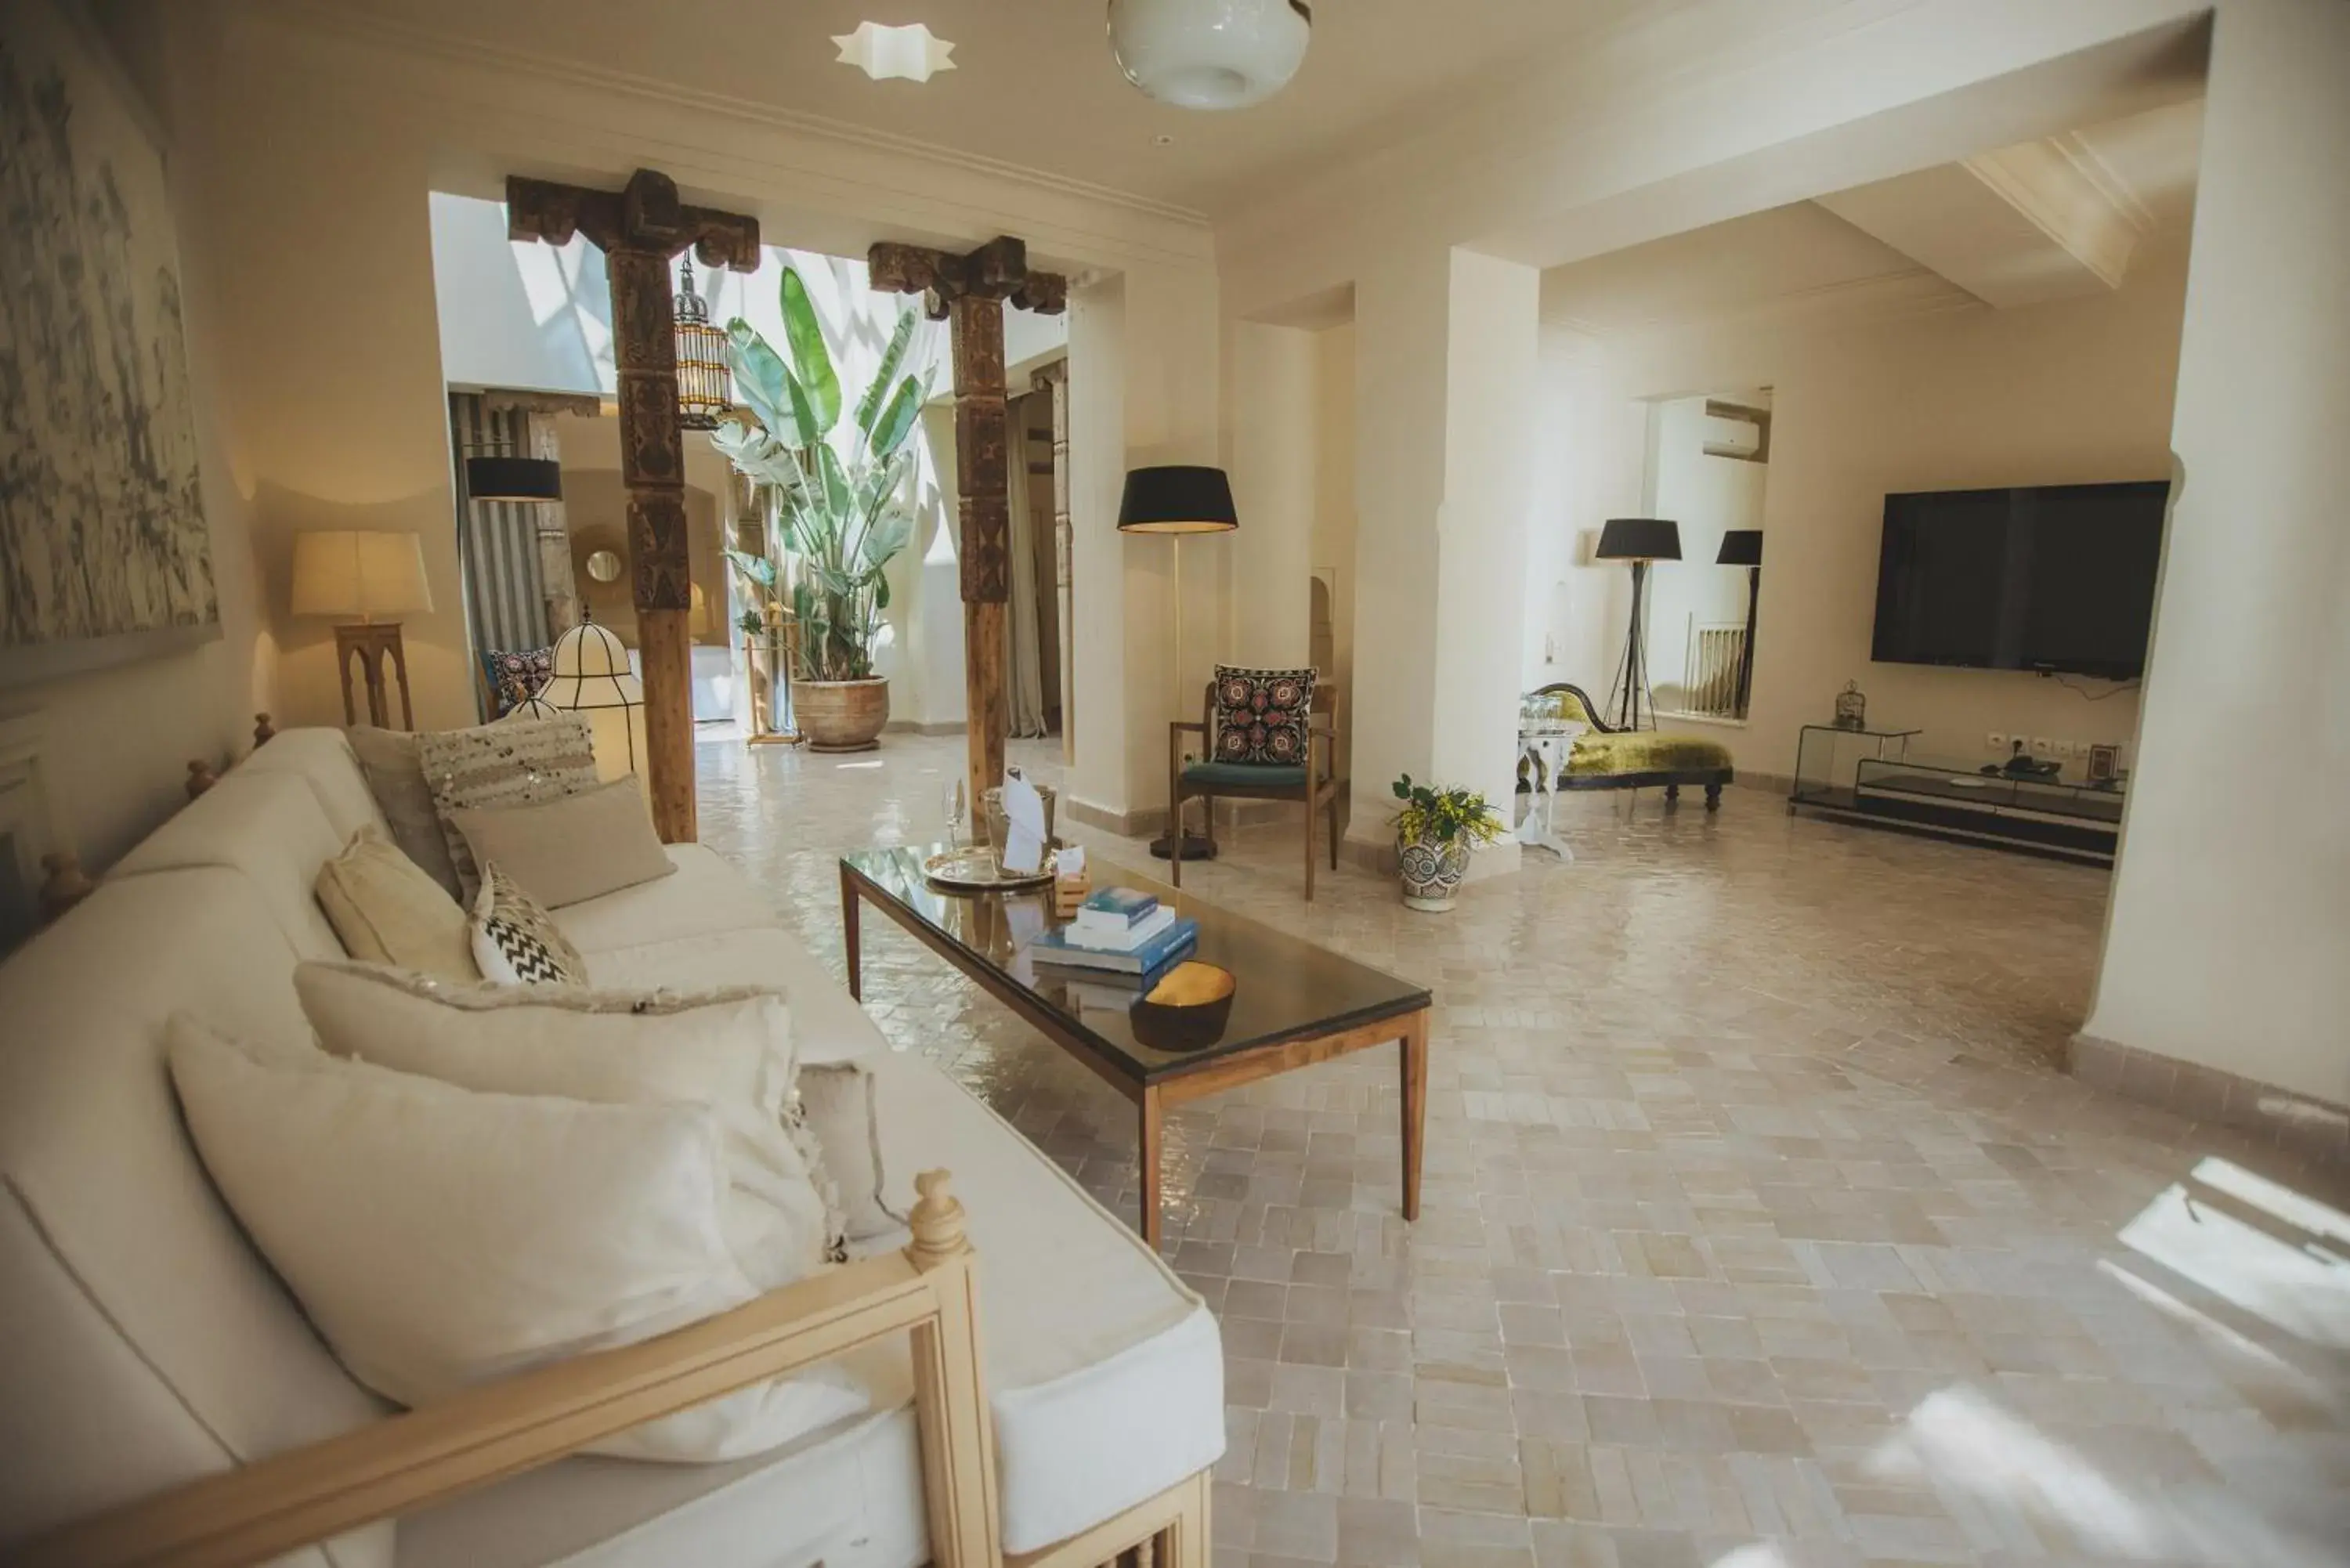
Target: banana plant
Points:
(835, 518)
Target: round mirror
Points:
(604, 566)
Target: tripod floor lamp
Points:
(1639, 540)
(1177, 500)
(1743, 548)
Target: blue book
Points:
(1177, 940)
(1116, 909)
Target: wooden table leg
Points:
(1149, 1168)
(849, 933)
(1414, 1045)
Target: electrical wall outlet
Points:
(1995, 741)
(2039, 745)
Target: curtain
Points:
(497, 541)
(1026, 661)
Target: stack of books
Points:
(1120, 931)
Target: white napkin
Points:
(1023, 837)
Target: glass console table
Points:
(2049, 814)
(1828, 760)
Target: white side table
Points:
(1547, 750)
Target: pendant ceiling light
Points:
(1210, 54)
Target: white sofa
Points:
(144, 1344)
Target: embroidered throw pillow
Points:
(513, 764)
(514, 940)
(515, 677)
(1262, 716)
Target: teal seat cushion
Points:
(1243, 775)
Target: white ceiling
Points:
(1034, 83)
(1802, 257)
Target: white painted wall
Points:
(2231, 915)
(2070, 392)
(1446, 350)
(1274, 403)
(1334, 511)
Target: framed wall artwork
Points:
(105, 557)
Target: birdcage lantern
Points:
(1851, 708)
(706, 385)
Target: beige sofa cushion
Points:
(1101, 1397)
(395, 776)
(441, 1237)
(386, 909)
(147, 1345)
(269, 828)
(729, 1050)
(572, 848)
(509, 763)
(324, 760)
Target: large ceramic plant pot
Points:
(1431, 870)
(841, 715)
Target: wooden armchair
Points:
(1315, 784)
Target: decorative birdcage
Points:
(1851, 708)
(705, 386)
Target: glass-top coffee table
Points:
(1293, 1004)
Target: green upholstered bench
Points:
(1604, 757)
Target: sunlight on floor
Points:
(2255, 1245)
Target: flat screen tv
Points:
(2060, 577)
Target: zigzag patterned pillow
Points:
(515, 943)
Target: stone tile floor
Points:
(1759, 1229)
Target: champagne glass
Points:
(958, 807)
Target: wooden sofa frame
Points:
(1709, 779)
(433, 1453)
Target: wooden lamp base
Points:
(375, 644)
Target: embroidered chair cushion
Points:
(1262, 716)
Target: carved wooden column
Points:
(1055, 379)
(640, 229)
(971, 292)
(982, 455)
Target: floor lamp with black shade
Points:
(1639, 540)
(1743, 548)
(1175, 500)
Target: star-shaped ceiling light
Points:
(912, 52)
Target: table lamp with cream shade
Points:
(592, 678)
(375, 576)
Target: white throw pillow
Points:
(515, 941)
(730, 1051)
(439, 1237)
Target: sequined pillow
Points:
(1262, 716)
(514, 763)
(515, 677)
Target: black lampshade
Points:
(1639, 539)
(514, 479)
(1740, 547)
(1177, 499)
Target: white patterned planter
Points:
(1430, 871)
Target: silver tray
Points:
(975, 868)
